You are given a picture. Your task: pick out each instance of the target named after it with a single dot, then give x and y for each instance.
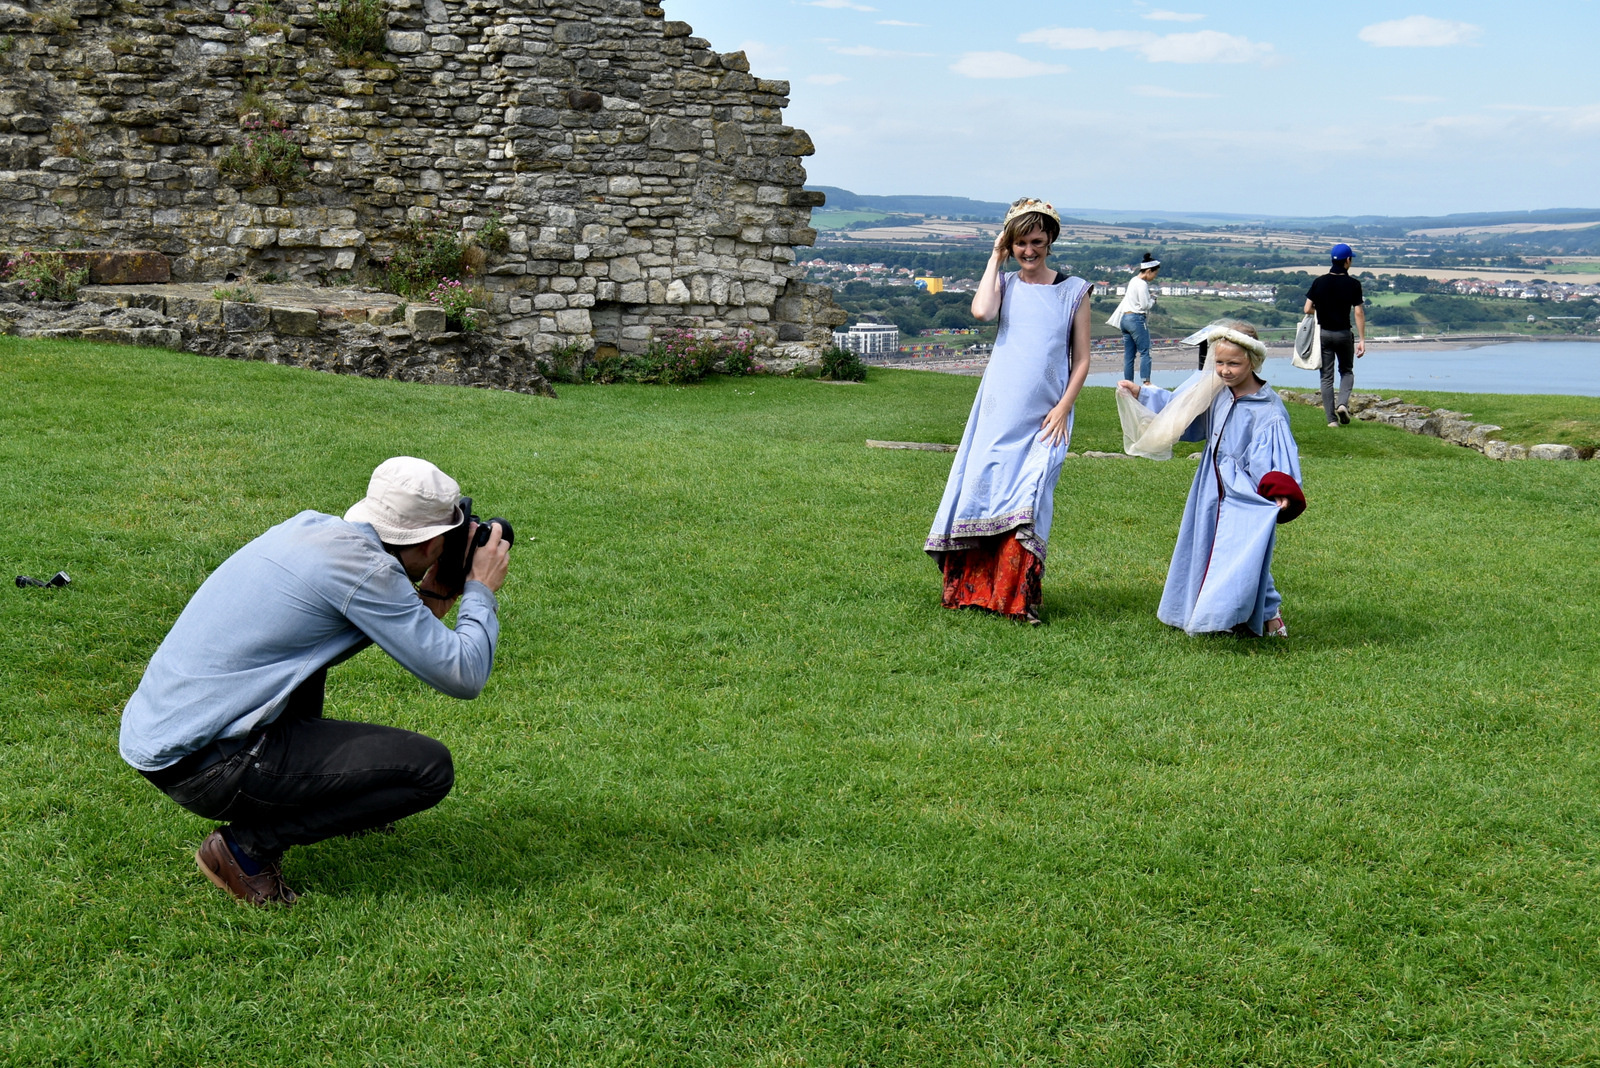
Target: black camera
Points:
(456, 564)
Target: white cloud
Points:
(839, 4)
(1078, 39)
(897, 22)
(1572, 118)
(876, 53)
(1161, 92)
(1419, 31)
(1204, 46)
(1172, 16)
(1416, 99)
(1003, 65)
(826, 79)
(1409, 166)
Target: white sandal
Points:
(1280, 631)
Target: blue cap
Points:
(1342, 251)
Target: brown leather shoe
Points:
(217, 861)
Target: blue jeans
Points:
(1135, 339)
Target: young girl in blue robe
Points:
(1248, 483)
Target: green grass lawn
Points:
(740, 792)
(1386, 299)
(1591, 266)
(832, 219)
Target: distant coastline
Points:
(1174, 357)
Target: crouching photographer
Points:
(227, 720)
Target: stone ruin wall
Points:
(647, 182)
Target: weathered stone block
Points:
(1496, 450)
(423, 321)
(406, 42)
(297, 322)
(341, 238)
(253, 237)
(573, 321)
(1478, 437)
(675, 135)
(574, 32)
(1553, 452)
(245, 318)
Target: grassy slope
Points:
(1529, 419)
(829, 220)
(740, 792)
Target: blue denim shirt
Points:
(311, 591)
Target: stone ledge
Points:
(319, 338)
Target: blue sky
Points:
(1288, 108)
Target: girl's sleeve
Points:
(1273, 462)
(1156, 398)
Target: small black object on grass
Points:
(55, 581)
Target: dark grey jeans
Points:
(1340, 344)
(303, 778)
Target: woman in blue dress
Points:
(1248, 482)
(990, 533)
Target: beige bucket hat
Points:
(408, 501)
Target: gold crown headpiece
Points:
(1027, 204)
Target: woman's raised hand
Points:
(1000, 247)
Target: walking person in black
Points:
(1333, 296)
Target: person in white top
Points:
(1130, 317)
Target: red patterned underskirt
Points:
(997, 574)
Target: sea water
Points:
(1565, 367)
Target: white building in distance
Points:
(869, 339)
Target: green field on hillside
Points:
(829, 219)
(741, 792)
(1385, 299)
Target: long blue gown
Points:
(1003, 477)
(1221, 567)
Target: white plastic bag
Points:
(1136, 418)
(1308, 344)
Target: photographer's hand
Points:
(492, 561)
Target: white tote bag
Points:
(1308, 344)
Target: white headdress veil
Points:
(1152, 434)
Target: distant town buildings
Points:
(1540, 290)
(868, 339)
(932, 285)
